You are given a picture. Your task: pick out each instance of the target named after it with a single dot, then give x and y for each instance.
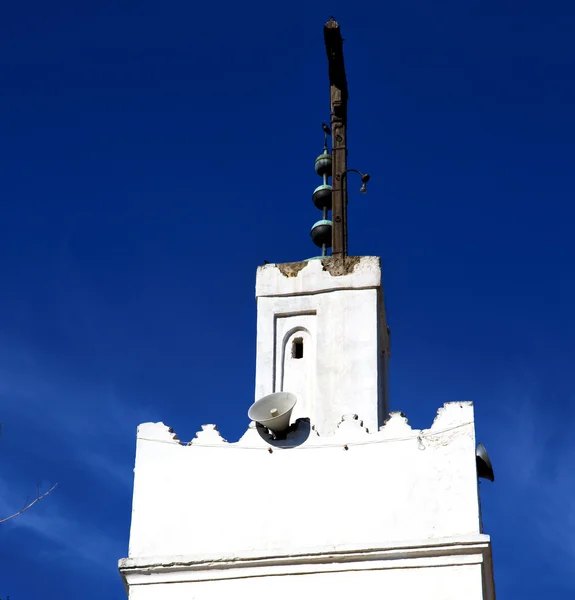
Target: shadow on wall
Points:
(297, 434)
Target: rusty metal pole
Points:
(338, 105)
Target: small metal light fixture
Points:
(364, 179)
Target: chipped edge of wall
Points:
(292, 269)
(335, 266)
(338, 267)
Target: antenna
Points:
(338, 106)
(332, 233)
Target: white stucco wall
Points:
(210, 504)
(388, 486)
(343, 322)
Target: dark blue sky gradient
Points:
(154, 154)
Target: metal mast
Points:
(338, 105)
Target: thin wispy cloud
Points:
(86, 426)
(87, 418)
(74, 407)
(60, 534)
(115, 472)
(533, 458)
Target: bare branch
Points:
(29, 505)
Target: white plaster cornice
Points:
(311, 277)
(465, 550)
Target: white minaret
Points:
(341, 510)
(322, 335)
(349, 500)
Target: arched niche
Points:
(298, 366)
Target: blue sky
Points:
(154, 154)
